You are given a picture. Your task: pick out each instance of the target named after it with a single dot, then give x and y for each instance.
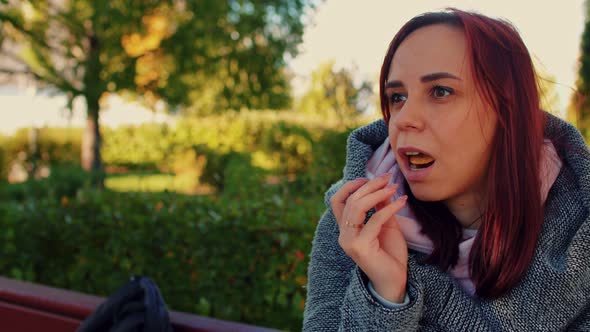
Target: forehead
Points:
(434, 48)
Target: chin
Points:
(426, 193)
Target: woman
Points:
(466, 207)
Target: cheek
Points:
(472, 131)
(470, 149)
(393, 133)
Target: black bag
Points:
(135, 307)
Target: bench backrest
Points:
(28, 307)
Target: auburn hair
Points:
(505, 79)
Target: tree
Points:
(333, 92)
(580, 103)
(211, 54)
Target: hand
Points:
(378, 248)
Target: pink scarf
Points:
(383, 161)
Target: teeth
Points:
(418, 160)
(421, 160)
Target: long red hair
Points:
(505, 78)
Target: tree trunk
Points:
(91, 143)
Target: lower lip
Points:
(418, 174)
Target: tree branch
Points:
(12, 56)
(13, 72)
(41, 41)
(56, 77)
(46, 72)
(63, 86)
(32, 37)
(59, 16)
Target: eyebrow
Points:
(424, 79)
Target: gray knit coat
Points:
(554, 294)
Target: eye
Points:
(396, 98)
(440, 92)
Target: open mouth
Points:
(418, 160)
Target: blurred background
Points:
(138, 137)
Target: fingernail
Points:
(403, 198)
(385, 175)
(392, 186)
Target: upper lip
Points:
(402, 151)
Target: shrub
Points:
(55, 145)
(3, 165)
(239, 254)
(94, 241)
(277, 141)
(64, 180)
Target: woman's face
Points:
(440, 129)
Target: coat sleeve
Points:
(582, 322)
(337, 295)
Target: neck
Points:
(468, 209)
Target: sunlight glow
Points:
(356, 34)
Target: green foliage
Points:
(333, 93)
(3, 164)
(145, 181)
(269, 171)
(277, 142)
(199, 164)
(54, 145)
(93, 241)
(231, 54)
(200, 150)
(290, 146)
(580, 101)
(189, 166)
(64, 180)
(225, 54)
(329, 157)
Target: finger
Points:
(372, 200)
(338, 200)
(371, 186)
(354, 212)
(382, 204)
(379, 206)
(372, 229)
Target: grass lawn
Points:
(152, 182)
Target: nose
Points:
(409, 116)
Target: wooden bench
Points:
(28, 307)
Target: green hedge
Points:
(277, 141)
(55, 145)
(199, 150)
(238, 254)
(3, 163)
(235, 258)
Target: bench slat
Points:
(17, 318)
(31, 306)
